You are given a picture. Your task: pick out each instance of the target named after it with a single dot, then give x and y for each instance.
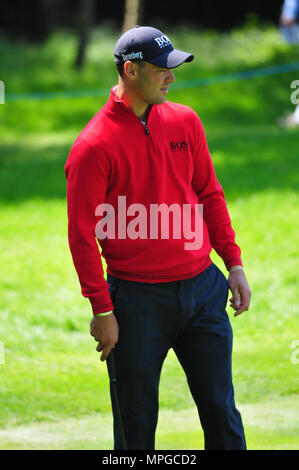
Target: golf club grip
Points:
(111, 366)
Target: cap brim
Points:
(172, 59)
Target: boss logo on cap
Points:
(163, 41)
(133, 55)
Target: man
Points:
(140, 153)
(290, 31)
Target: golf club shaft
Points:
(112, 377)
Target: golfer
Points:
(142, 187)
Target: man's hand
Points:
(105, 332)
(239, 287)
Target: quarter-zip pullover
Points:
(166, 161)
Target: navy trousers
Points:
(190, 317)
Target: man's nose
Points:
(171, 77)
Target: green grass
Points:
(275, 428)
(54, 389)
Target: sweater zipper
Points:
(145, 126)
(147, 132)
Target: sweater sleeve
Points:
(87, 172)
(210, 194)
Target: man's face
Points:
(152, 83)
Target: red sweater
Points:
(167, 161)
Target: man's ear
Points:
(130, 70)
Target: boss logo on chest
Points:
(179, 146)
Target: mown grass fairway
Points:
(54, 389)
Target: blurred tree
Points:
(133, 14)
(36, 20)
(86, 16)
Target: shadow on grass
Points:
(247, 160)
(28, 172)
(251, 162)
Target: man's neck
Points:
(138, 107)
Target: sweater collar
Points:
(115, 103)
